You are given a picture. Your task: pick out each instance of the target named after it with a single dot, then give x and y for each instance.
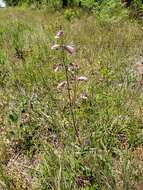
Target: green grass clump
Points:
(39, 148)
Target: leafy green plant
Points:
(70, 14)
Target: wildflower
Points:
(61, 85)
(55, 46)
(82, 78)
(69, 49)
(83, 96)
(59, 34)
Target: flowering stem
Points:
(71, 106)
(69, 97)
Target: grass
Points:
(38, 148)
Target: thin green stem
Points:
(64, 61)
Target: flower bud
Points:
(55, 46)
(61, 85)
(69, 49)
(82, 78)
(59, 34)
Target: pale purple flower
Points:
(61, 85)
(59, 34)
(82, 78)
(70, 49)
(55, 46)
(83, 96)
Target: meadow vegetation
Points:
(90, 140)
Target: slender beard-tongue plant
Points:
(70, 74)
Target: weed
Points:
(70, 116)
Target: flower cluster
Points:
(71, 67)
(69, 48)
